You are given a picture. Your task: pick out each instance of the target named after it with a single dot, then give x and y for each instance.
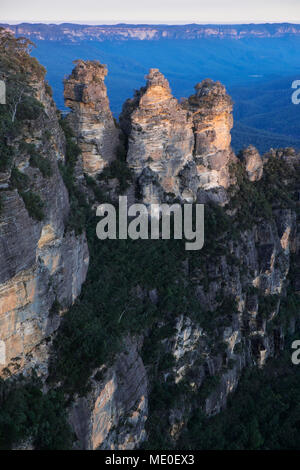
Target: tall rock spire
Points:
(211, 109)
(160, 136)
(91, 118)
(179, 148)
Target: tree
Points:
(18, 69)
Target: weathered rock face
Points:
(253, 163)
(179, 148)
(40, 262)
(114, 413)
(160, 137)
(91, 119)
(252, 277)
(211, 110)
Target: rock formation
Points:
(211, 110)
(74, 33)
(42, 264)
(180, 340)
(114, 413)
(253, 163)
(91, 119)
(160, 136)
(179, 148)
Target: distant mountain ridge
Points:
(75, 32)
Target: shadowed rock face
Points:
(253, 163)
(40, 261)
(91, 119)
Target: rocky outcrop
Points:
(253, 163)
(42, 264)
(113, 414)
(179, 148)
(211, 110)
(91, 119)
(241, 297)
(160, 137)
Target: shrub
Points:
(42, 163)
(29, 109)
(19, 180)
(34, 205)
(78, 205)
(48, 89)
(6, 154)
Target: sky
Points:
(150, 11)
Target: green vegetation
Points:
(109, 307)
(6, 154)
(19, 180)
(267, 305)
(42, 164)
(118, 169)
(115, 302)
(78, 203)
(264, 413)
(255, 201)
(36, 159)
(27, 413)
(33, 203)
(19, 70)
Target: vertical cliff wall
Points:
(43, 265)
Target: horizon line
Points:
(154, 23)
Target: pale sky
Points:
(150, 11)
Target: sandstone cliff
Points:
(179, 148)
(253, 163)
(42, 264)
(237, 286)
(91, 119)
(211, 110)
(158, 332)
(160, 137)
